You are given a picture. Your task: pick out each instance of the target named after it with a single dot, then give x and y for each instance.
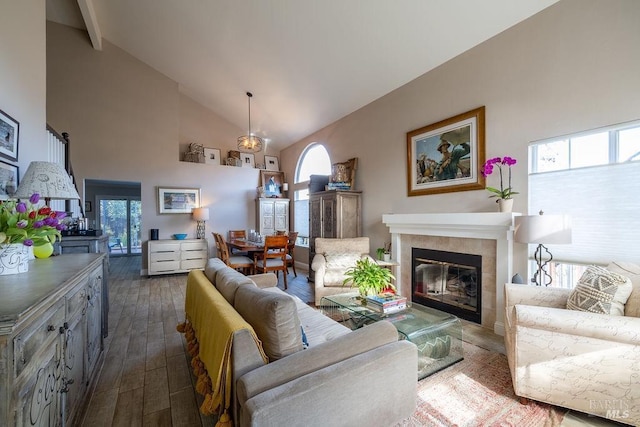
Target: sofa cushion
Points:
(273, 316)
(632, 271)
(228, 280)
(212, 267)
(317, 327)
(600, 291)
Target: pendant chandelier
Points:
(249, 142)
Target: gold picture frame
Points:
(447, 156)
(271, 182)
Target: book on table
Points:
(387, 304)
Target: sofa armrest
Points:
(319, 262)
(579, 323)
(377, 387)
(531, 295)
(266, 280)
(314, 358)
(535, 295)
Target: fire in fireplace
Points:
(448, 281)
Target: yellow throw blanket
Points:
(209, 327)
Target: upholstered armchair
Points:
(580, 360)
(332, 259)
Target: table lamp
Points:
(201, 215)
(49, 180)
(543, 229)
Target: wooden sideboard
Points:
(51, 339)
(177, 256)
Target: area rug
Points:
(477, 392)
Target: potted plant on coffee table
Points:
(369, 278)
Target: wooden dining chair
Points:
(291, 244)
(237, 234)
(273, 257)
(237, 262)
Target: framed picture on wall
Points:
(272, 182)
(8, 180)
(248, 160)
(177, 200)
(212, 156)
(447, 156)
(271, 163)
(9, 136)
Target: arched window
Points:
(314, 160)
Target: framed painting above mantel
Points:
(447, 156)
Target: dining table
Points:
(245, 245)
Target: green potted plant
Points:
(384, 253)
(369, 278)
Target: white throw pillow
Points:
(632, 271)
(600, 291)
(341, 260)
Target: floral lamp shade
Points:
(49, 180)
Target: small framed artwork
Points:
(9, 136)
(212, 156)
(8, 180)
(248, 160)
(447, 156)
(177, 200)
(87, 206)
(272, 182)
(271, 163)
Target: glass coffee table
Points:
(438, 335)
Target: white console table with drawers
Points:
(177, 256)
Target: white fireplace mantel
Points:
(482, 225)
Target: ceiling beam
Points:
(91, 22)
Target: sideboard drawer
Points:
(199, 254)
(38, 335)
(164, 256)
(200, 245)
(164, 247)
(191, 264)
(164, 267)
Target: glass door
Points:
(120, 220)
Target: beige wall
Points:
(128, 122)
(572, 67)
(22, 67)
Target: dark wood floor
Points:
(146, 379)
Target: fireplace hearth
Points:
(448, 281)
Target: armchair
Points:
(579, 360)
(333, 257)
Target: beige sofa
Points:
(579, 360)
(333, 257)
(364, 377)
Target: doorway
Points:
(118, 213)
(119, 218)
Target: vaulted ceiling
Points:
(307, 62)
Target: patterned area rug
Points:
(477, 392)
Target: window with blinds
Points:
(594, 177)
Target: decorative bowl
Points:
(181, 236)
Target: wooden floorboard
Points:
(146, 378)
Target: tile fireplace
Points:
(447, 281)
(485, 234)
